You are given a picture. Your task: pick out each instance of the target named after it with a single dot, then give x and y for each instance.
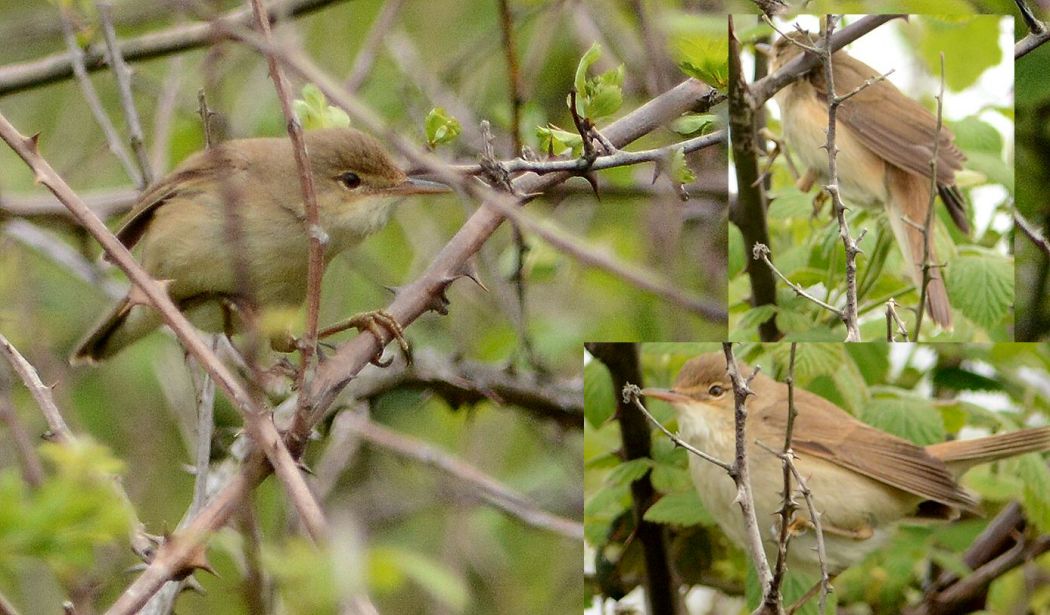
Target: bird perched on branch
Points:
(885, 143)
(225, 233)
(863, 480)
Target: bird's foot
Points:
(378, 323)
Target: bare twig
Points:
(789, 506)
(740, 473)
(369, 50)
(927, 266)
(1037, 31)
(316, 234)
(113, 140)
(761, 252)
(892, 318)
(484, 486)
(32, 468)
(1032, 232)
(631, 394)
(849, 314)
(127, 101)
(605, 161)
(58, 430)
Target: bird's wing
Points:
(190, 177)
(900, 130)
(826, 431)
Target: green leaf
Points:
(681, 509)
(440, 127)
(981, 285)
(960, 379)
(693, 122)
(790, 203)
(604, 94)
(680, 171)
(580, 80)
(629, 471)
(599, 399)
(970, 46)
(1035, 475)
(314, 111)
(554, 141)
(703, 57)
(905, 416)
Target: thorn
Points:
(470, 270)
(305, 468)
(593, 181)
(137, 296)
(32, 143)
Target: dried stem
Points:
(127, 101)
(740, 473)
(113, 140)
(480, 484)
(849, 314)
(316, 234)
(927, 266)
(1037, 31)
(631, 394)
(761, 252)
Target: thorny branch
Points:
(927, 266)
(849, 314)
(740, 472)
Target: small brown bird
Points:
(885, 141)
(225, 231)
(863, 480)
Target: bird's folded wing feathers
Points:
(859, 447)
(196, 171)
(903, 137)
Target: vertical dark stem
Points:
(622, 361)
(748, 213)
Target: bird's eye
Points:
(715, 391)
(350, 180)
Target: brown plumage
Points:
(181, 228)
(863, 479)
(885, 142)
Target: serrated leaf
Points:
(680, 171)
(981, 286)
(681, 509)
(703, 57)
(599, 399)
(902, 415)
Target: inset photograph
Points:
(906, 201)
(825, 477)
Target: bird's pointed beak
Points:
(417, 185)
(668, 395)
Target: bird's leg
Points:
(375, 322)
